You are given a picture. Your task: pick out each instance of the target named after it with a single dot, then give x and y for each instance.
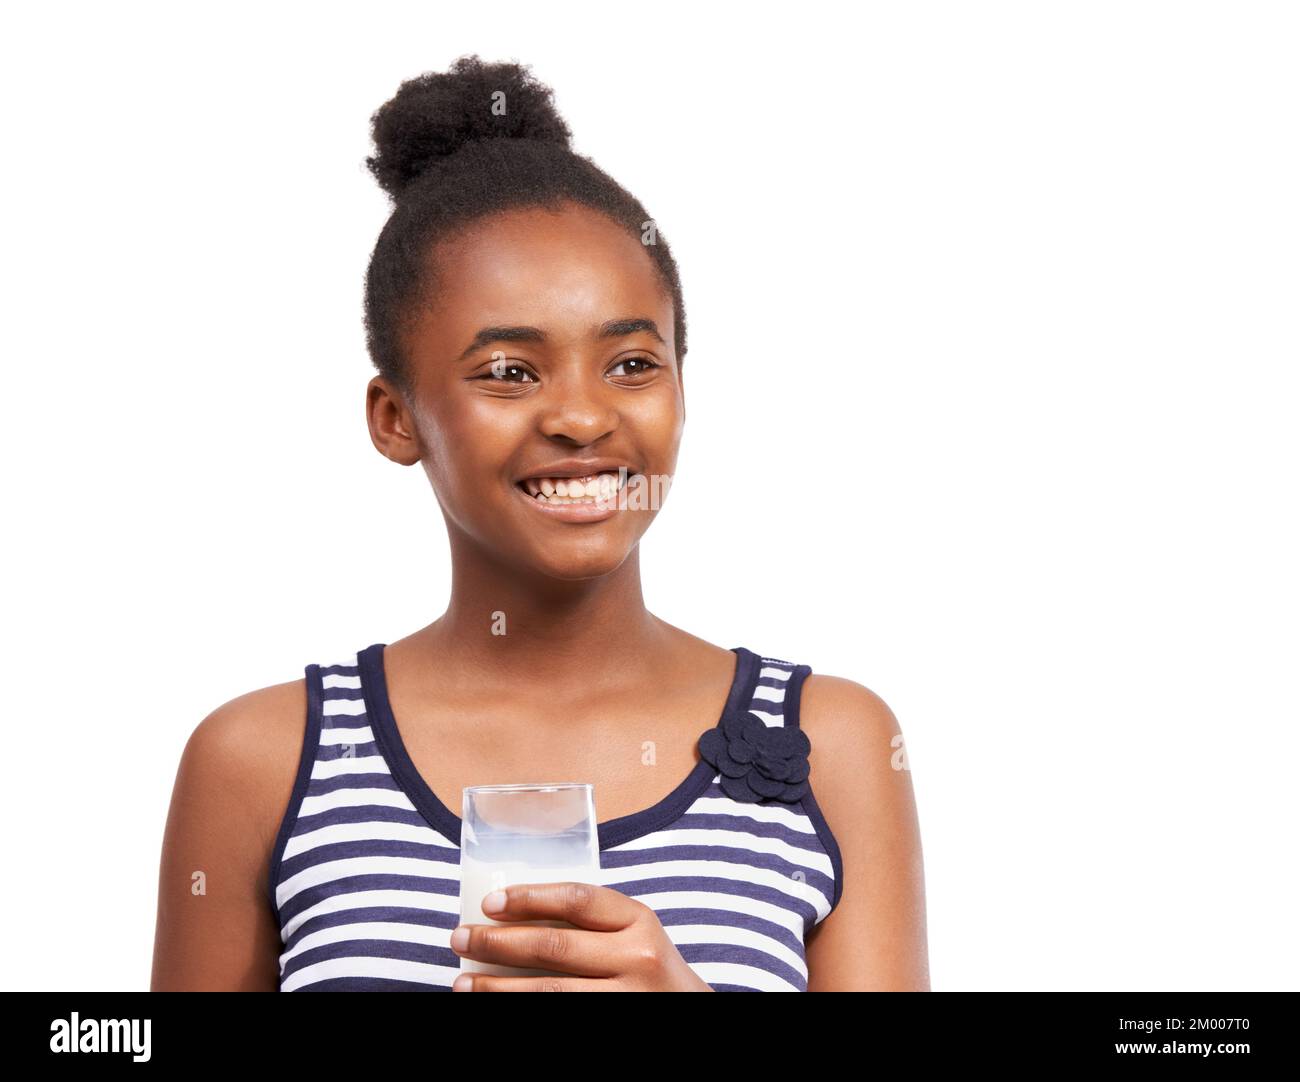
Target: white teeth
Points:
(562, 490)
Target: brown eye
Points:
(505, 373)
(645, 364)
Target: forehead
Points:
(565, 271)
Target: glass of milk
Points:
(543, 833)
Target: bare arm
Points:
(875, 940)
(215, 929)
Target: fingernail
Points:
(494, 902)
(460, 938)
(463, 983)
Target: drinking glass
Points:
(543, 833)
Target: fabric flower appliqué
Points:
(757, 761)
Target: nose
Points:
(578, 410)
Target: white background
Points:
(991, 387)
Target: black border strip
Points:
(793, 693)
(672, 807)
(307, 757)
(379, 711)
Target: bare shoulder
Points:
(215, 928)
(248, 749)
(858, 766)
(875, 938)
(274, 714)
(844, 716)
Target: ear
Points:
(392, 428)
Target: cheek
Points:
(465, 450)
(658, 421)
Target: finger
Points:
(572, 951)
(485, 982)
(583, 905)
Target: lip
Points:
(577, 467)
(573, 512)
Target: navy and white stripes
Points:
(365, 872)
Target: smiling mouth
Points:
(574, 491)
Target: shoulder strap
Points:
(759, 750)
(302, 779)
(336, 727)
(343, 709)
(776, 692)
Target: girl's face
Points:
(547, 353)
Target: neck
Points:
(556, 633)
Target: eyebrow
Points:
(612, 328)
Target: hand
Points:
(618, 944)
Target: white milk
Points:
(477, 880)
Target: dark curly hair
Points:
(456, 146)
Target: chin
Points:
(581, 572)
(578, 565)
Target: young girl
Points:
(526, 320)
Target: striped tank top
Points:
(364, 875)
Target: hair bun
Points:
(434, 115)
